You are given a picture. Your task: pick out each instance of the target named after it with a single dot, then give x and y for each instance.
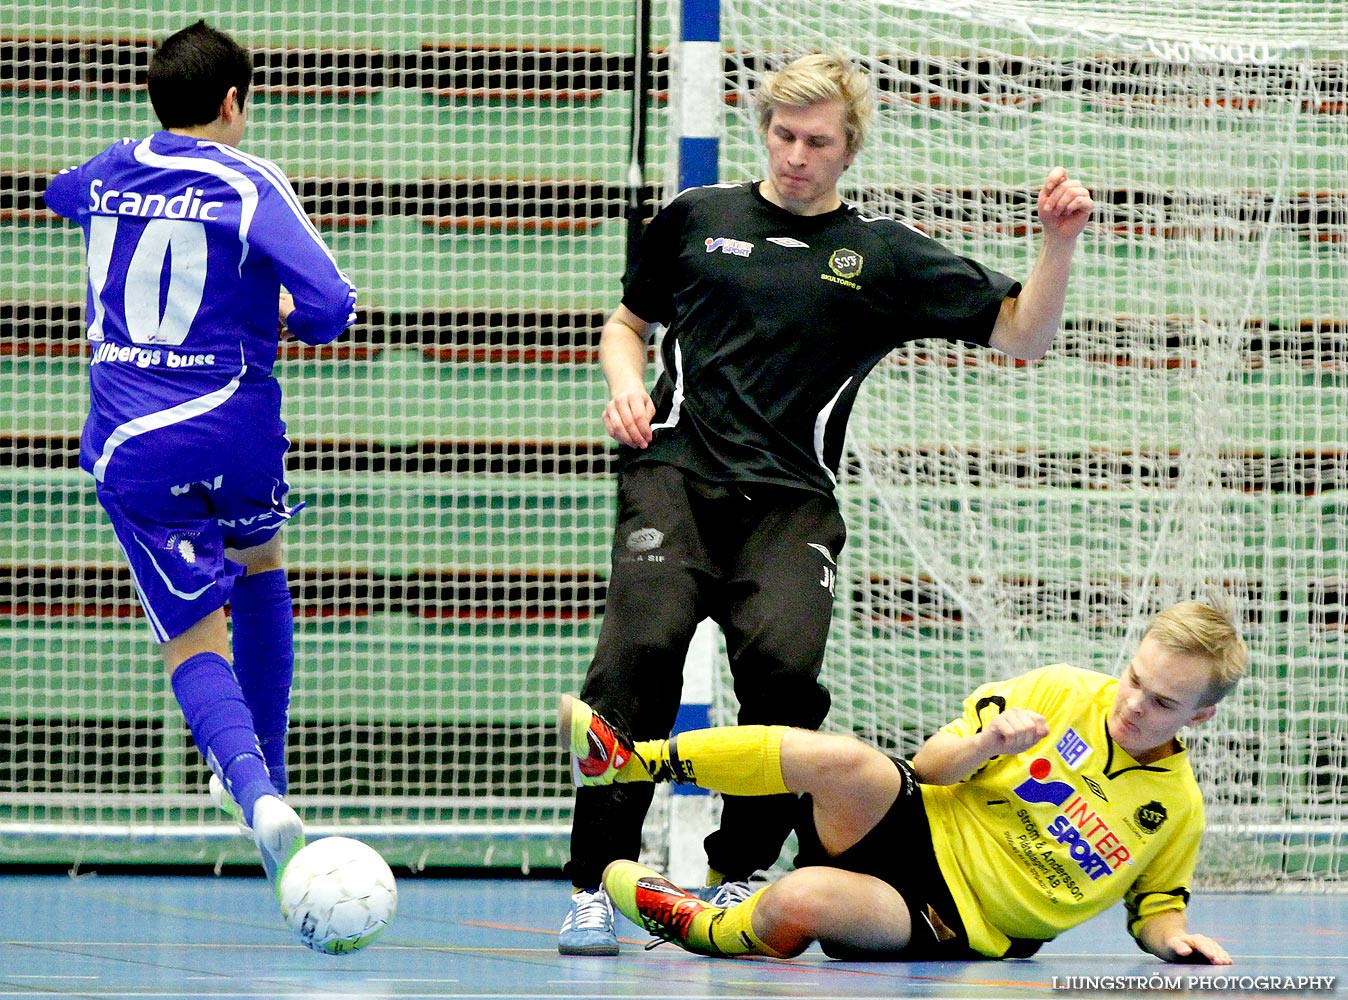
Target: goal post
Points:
(1184, 436)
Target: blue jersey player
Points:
(190, 242)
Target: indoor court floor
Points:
(188, 937)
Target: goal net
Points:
(1184, 438)
(468, 165)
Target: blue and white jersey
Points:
(189, 243)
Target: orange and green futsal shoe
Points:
(598, 750)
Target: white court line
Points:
(590, 982)
(225, 976)
(263, 946)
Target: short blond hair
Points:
(816, 78)
(1191, 627)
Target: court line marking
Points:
(607, 981)
(808, 962)
(272, 995)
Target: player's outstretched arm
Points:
(1028, 323)
(1166, 935)
(946, 758)
(321, 301)
(622, 356)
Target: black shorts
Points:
(898, 851)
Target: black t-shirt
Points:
(773, 321)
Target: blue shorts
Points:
(175, 537)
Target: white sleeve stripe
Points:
(281, 184)
(270, 170)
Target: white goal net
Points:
(467, 164)
(1184, 437)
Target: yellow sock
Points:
(730, 932)
(737, 760)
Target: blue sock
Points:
(263, 620)
(222, 727)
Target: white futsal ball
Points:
(337, 895)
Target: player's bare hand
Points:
(1065, 206)
(286, 307)
(627, 418)
(1013, 731)
(1196, 949)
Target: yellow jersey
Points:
(1034, 843)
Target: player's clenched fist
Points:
(1065, 205)
(1014, 731)
(627, 418)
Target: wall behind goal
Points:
(1185, 436)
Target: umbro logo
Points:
(1094, 786)
(787, 241)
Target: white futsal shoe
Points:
(277, 829)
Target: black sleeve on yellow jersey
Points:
(1134, 906)
(991, 701)
(988, 701)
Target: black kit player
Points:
(778, 299)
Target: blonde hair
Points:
(1199, 629)
(816, 78)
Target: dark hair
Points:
(192, 71)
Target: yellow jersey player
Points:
(1055, 795)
